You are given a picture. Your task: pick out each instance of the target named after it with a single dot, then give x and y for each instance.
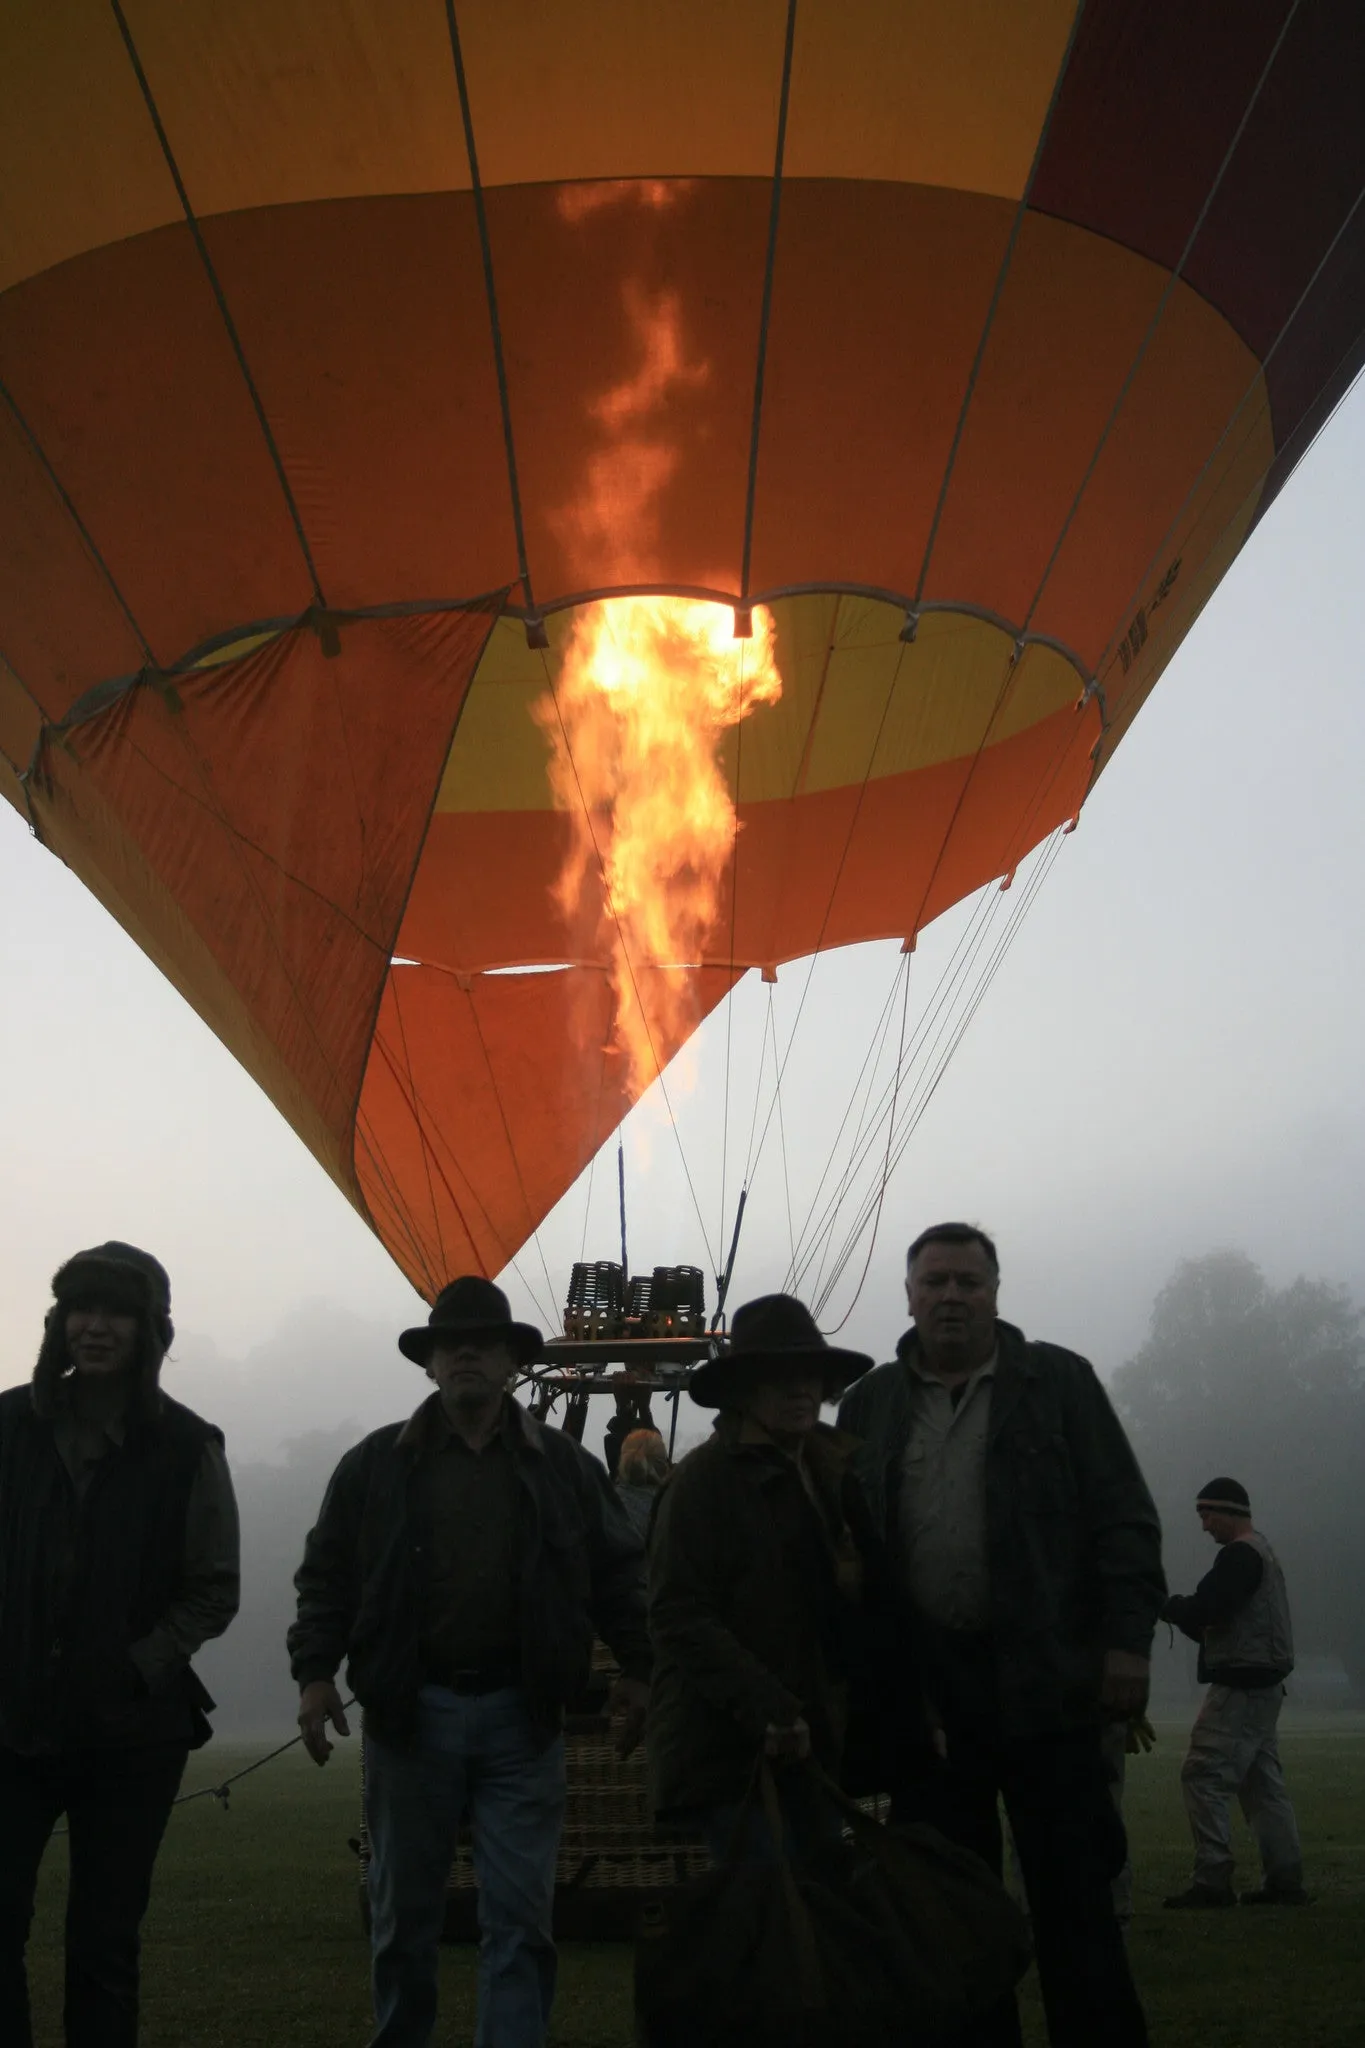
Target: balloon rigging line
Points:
(235, 841)
(734, 914)
(625, 952)
(929, 1086)
(968, 949)
(834, 890)
(1006, 263)
(1167, 293)
(385, 1195)
(422, 1138)
(1007, 681)
(368, 884)
(1258, 383)
(766, 305)
(890, 1128)
(1042, 870)
(592, 1163)
(939, 1024)
(413, 1099)
(1011, 668)
(824, 1294)
(758, 1086)
(781, 1124)
(874, 1045)
(39, 454)
(494, 319)
(914, 1115)
(960, 964)
(418, 1109)
(966, 952)
(511, 1147)
(220, 299)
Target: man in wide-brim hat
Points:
(758, 1569)
(463, 1562)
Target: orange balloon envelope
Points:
(352, 358)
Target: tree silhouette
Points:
(1269, 1387)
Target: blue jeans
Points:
(479, 1753)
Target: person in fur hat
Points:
(118, 1559)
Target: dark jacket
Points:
(754, 1604)
(82, 1581)
(1073, 1539)
(360, 1583)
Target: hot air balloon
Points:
(391, 394)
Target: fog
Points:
(1166, 1065)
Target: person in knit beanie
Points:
(1239, 1616)
(120, 1558)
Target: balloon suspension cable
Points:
(621, 1194)
(723, 1279)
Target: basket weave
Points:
(612, 1858)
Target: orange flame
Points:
(647, 688)
(575, 203)
(612, 530)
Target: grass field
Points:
(254, 1937)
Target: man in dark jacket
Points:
(755, 1570)
(1029, 1559)
(461, 1562)
(118, 1558)
(1239, 1616)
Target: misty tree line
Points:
(1267, 1386)
(1235, 1377)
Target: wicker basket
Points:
(612, 1858)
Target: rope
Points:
(1167, 294)
(491, 299)
(886, 1160)
(512, 1154)
(734, 915)
(834, 891)
(866, 1071)
(781, 1128)
(222, 1790)
(954, 1031)
(220, 300)
(1006, 263)
(965, 955)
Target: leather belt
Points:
(473, 1682)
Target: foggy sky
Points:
(1168, 1062)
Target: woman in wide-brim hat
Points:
(762, 1558)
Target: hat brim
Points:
(715, 1384)
(523, 1339)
